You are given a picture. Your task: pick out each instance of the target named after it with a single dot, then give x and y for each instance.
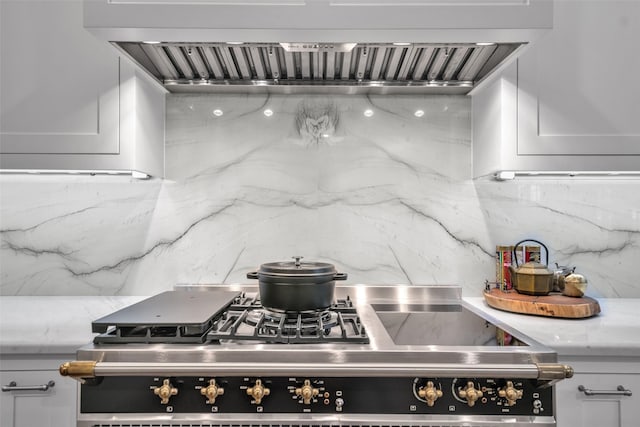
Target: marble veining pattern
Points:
(359, 181)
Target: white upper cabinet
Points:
(572, 101)
(68, 101)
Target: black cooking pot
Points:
(296, 286)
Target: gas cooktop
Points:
(217, 315)
(388, 355)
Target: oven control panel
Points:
(385, 395)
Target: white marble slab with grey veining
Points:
(362, 182)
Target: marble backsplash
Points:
(380, 186)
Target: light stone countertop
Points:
(613, 332)
(52, 324)
(62, 324)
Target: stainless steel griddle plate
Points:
(171, 308)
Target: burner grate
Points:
(248, 320)
(245, 319)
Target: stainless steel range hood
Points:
(343, 46)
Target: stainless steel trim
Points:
(301, 420)
(13, 386)
(106, 369)
(619, 391)
(296, 420)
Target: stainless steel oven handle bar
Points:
(541, 371)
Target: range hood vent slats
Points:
(220, 66)
(256, 61)
(376, 68)
(392, 68)
(346, 66)
(422, 63)
(289, 65)
(182, 64)
(198, 63)
(330, 66)
(163, 64)
(476, 60)
(406, 62)
(454, 63)
(501, 52)
(212, 60)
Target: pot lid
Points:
(533, 268)
(297, 268)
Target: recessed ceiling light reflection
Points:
(268, 112)
(368, 113)
(217, 112)
(419, 113)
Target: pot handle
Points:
(252, 275)
(340, 276)
(546, 251)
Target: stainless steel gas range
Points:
(379, 356)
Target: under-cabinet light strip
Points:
(509, 175)
(134, 174)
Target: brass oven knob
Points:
(307, 392)
(510, 393)
(165, 391)
(470, 393)
(430, 393)
(258, 391)
(211, 391)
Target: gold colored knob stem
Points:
(257, 392)
(510, 393)
(212, 391)
(78, 369)
(165, 391)
(430, 393)
(470, 393)
(307, 392)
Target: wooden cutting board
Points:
(552, 305)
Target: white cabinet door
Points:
(55, 407)
(575, 408)
(578, 87)
(59, 84)
(68, 101)
(571, 102)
